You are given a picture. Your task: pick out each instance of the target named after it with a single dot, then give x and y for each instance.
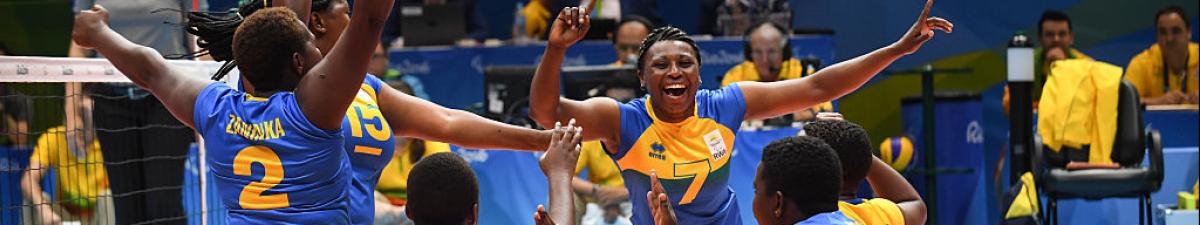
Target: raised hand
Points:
(570, 26)
(87, 24)
(660, 205)
(563, 153)
(541, 217)
(922, 31)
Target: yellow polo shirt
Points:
(81, 176)
(1146, 72)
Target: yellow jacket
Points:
(601, 169)
(1146, 72)
(791, 69)
(1079, 107)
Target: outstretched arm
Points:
(142, 65)
(764, 100)
(414, 117)
(545, 103)
(890, 185)
(335, 80)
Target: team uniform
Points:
(829, 218)
(691, 157)
(270, 164)
(872, 211)
(370, 144)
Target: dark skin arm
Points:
(765, 100)
(142, 65)
(547, 106)
(414, 117)
(335, 80)
(890, 185)
(558, 164)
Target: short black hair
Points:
(1176, 10)
(631, 19)
(442, 189)
(852, 144)
(667, 33)
(264, 44)
(805, 170)
(1054, 15)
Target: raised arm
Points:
(764, 100)
(414, 117)
(142, 65)
(546, 105)
(558, 164)
(890, 185)
(335, 80)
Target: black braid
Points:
(214, 31)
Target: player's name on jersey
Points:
(257, 131)
(58, 69)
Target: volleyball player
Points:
(379, 111)
(282, 122)
(684, 133)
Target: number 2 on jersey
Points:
(252, 195)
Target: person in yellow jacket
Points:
(72, 151)
(1173, 58)
(768, 59)
(897, 203)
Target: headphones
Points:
(747, 51)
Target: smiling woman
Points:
(682, 132)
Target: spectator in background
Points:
(146, 146)
(537, 12)
(735, 17)
(1055, 33)
(13, 114)
(74, 153)
(476, 28)
(628, 37)
(381, 67)
(1166, 73)
(768, 59)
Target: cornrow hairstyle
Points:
(667, 33)
(214, 31)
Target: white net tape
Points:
(57, 70)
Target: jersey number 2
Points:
(252, 195)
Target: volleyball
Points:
(897, 152)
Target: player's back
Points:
(270, 164)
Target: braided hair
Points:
(214, 30)
(667, 33)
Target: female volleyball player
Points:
(294, 137)
(380, 111)
(684, 133)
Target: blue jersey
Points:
(269, 163)
(370, 145)
(828, 218)
(691, 157)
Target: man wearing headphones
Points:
(769, 58)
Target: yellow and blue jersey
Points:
(828, 218)
(370, 145)
(872, 211)
(269, 163)
(691, 157)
